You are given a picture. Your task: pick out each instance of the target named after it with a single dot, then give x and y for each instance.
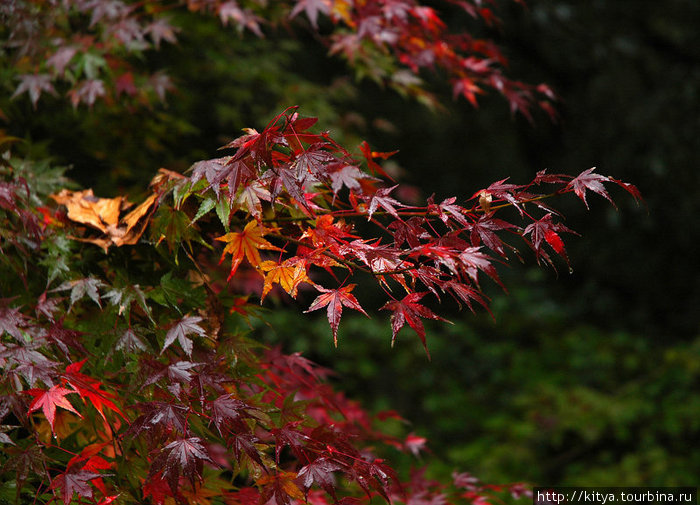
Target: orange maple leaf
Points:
(288, 274)
(245, 243)
(279, 485)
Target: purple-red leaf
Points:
(447, 209)
(87, 92)
(472, 260)
(74, 482)
(60, 59)
(466, 294)
(183, 456)
(408, 310)
(180, 330)
(160, 416)
(245, 443)
(228, 412)
(630, 188)
(348, 176)
(12, 321)
(410, 231)
(320, 472)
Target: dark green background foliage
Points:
(589, 378)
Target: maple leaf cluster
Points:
(124, 377)
(90, 50)
(297, 201)
(180, 396)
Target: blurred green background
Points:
(589, 378)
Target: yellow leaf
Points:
(245, 244)
(342, 9)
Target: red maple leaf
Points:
(472, 260)
(484, 230)
(408, 310)
(465, 293)
(415, 444)
(335, 299)
(630, 188)
(547, 230)
(48, 400)
(447, 209)
(377, 474)
(410, 231)
(290, 435)
(157, 489)
(382, 199)
(587, 180)
(500, 190)
(90, 390)
(370, 155)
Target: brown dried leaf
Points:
(85, 208)
(103, 214)
(133, 224)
